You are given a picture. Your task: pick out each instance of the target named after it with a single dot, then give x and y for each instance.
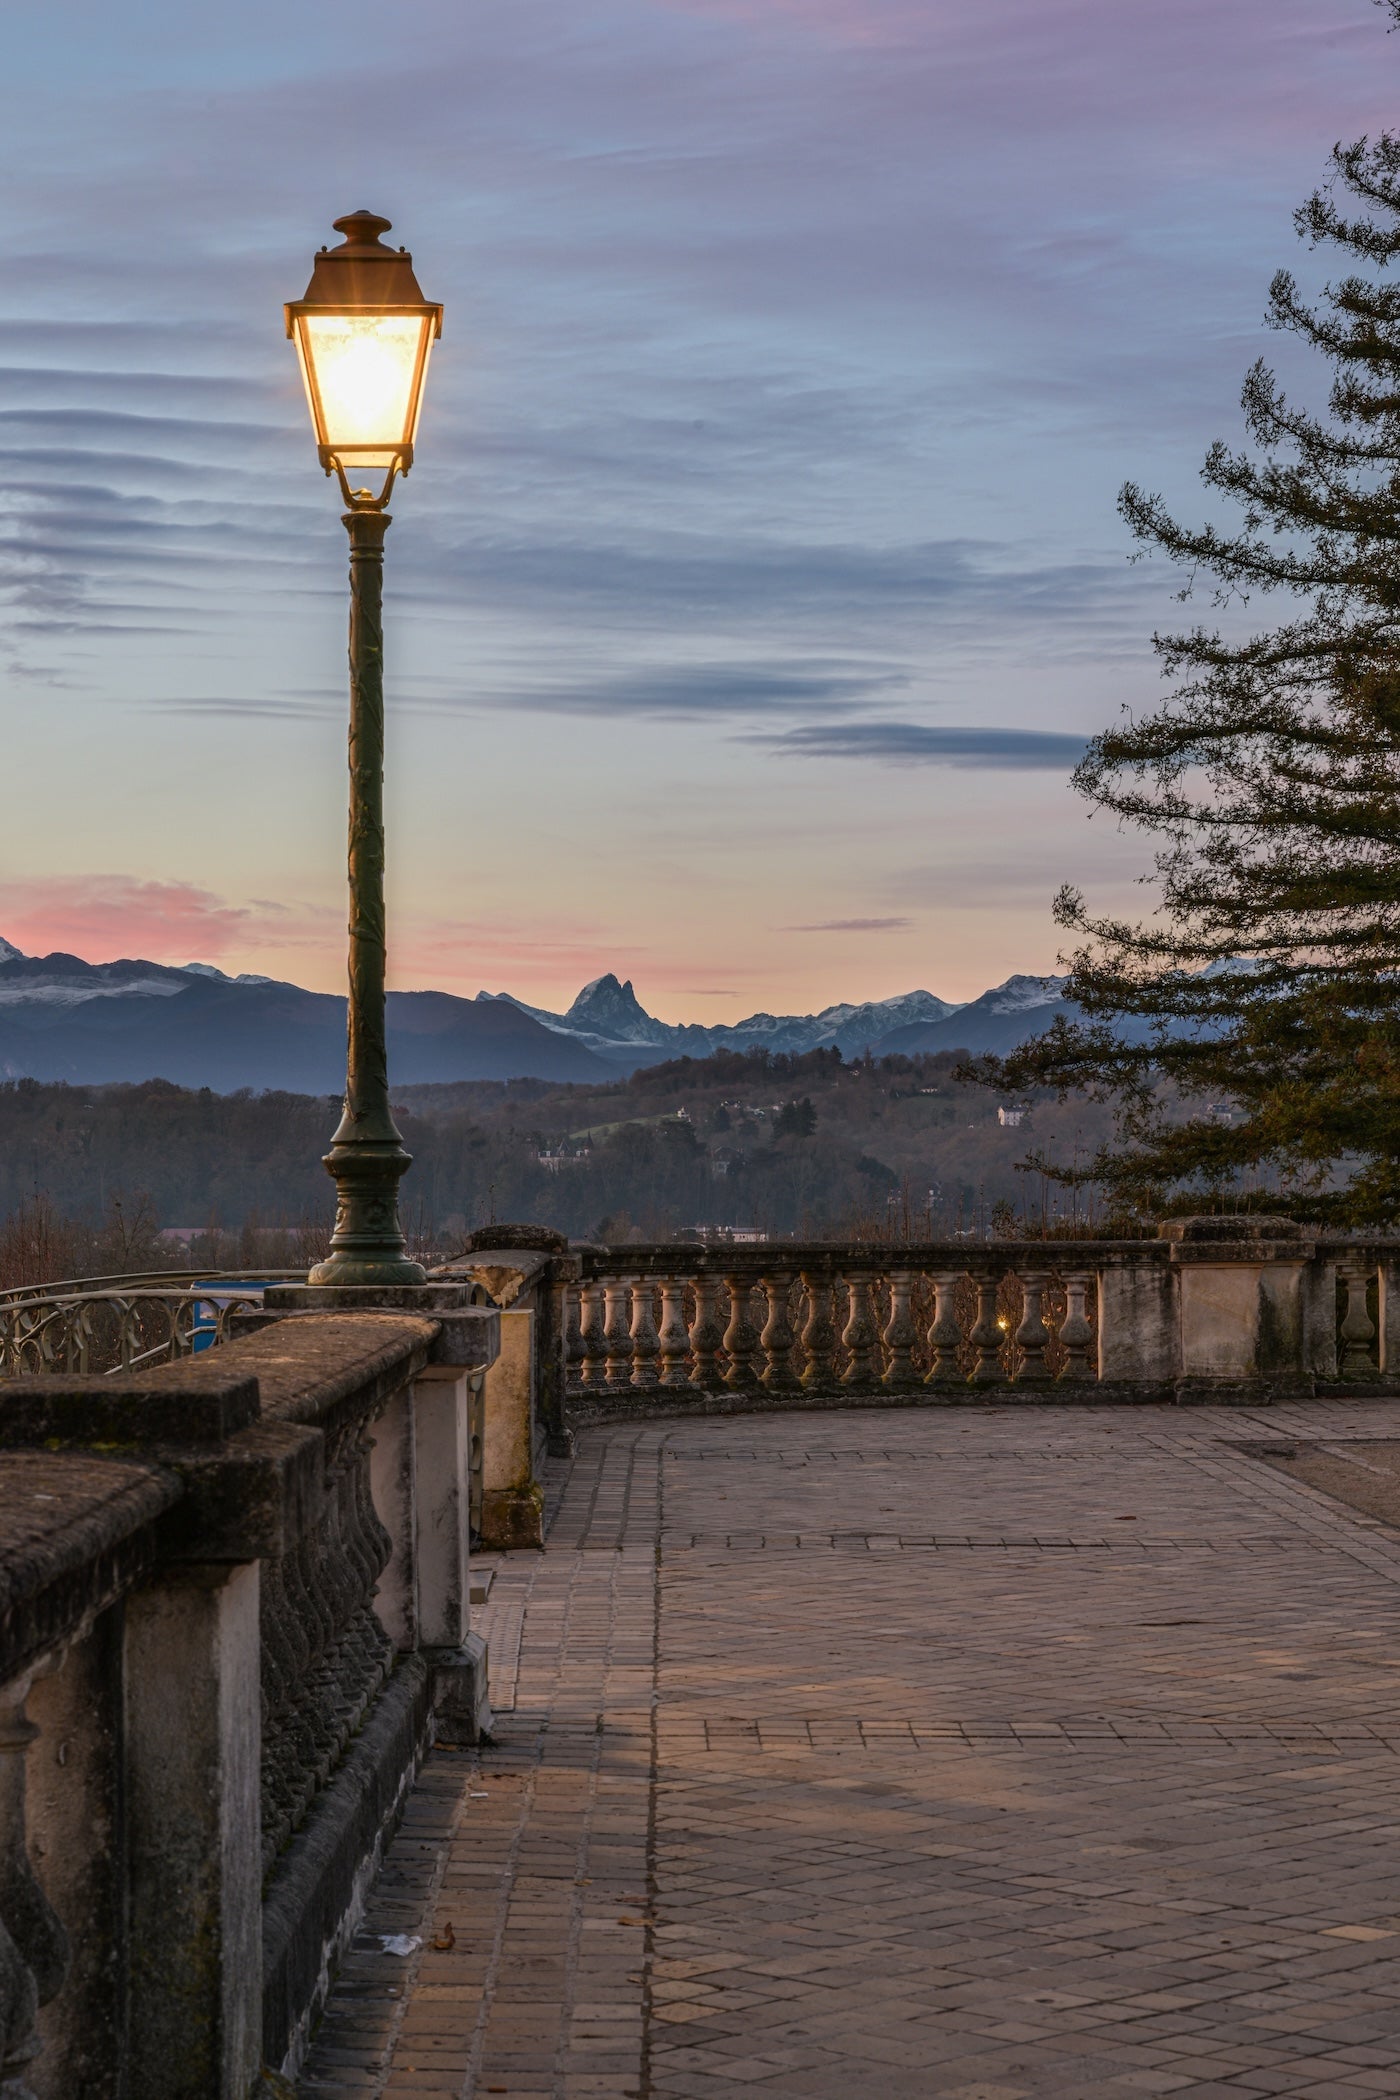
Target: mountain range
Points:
(609, 1020)
(98, 1023)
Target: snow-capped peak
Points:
(1019, 993)
(885, 1014)
(10, 953)
(222, 976)
(536, 1013)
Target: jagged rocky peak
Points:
(9, 952)
(608, 1008)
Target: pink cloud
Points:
(106, 917)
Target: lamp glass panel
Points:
(365, 366)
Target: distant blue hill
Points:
(98, 1023)
(93, 1024)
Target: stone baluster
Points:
(617, 1330)
(1032, 1334)
(673, 1343)
(986, 1336)
(476, 1426)
(573, 1335)
(646, 1344)
(860, 1335)
(777, 1340)
(291, 1744)
(1076, 1333)
(819, 1330)
(334, 1573)
(1358, 1330)
(900, 1332)
(372, 1551)
(945, 1335)
(741, 1335)
(707, 1332)
(593, 1348)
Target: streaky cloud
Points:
(850, 926)
(922, 743)
(680, 691)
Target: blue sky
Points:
(760, 571)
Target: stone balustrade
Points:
(234, 1613)
(235, 1585)
(1212, 1308)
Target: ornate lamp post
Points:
(363, 334)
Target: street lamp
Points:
(363, 334)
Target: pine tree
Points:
(1250, 1028)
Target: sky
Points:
(759, 578)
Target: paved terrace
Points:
(970, 1754)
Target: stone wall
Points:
(234, 1613)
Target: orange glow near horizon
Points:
(117, 918)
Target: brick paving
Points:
(977, 1754)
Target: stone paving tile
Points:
(964, 1754)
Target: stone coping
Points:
(307, 1368)
(465, 1337)
(509, 1274)
(199, 1400)
(76, 1531)
(253, 1490)
(292, 1370)
(832, 1258)
(837, 1257)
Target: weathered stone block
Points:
(512, 1505)
(192, 1738)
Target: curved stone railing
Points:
(234, 1610)
(829, 1319)
(1212, 1304)
(1254, 1304)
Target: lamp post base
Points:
(367, 1245)
(350, 1268)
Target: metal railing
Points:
(123, 1323)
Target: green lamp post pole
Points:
(367, 1157)
(363, 333)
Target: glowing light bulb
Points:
(365, 368)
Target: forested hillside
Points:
(786, 1144)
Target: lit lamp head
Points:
(363, 333)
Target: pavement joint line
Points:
(1026, 1818)
(649, 2010)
